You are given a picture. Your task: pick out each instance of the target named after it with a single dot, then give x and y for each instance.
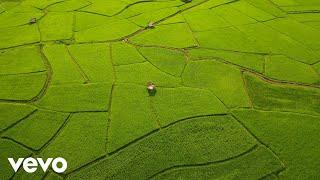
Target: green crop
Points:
(234, 88)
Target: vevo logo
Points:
(30, 165)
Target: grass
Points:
(224, 81)
(280, 67)
(286, 133)
(237, 88)
(37, 129)
(82, 139)
(175, 145)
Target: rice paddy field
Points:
(234, 88)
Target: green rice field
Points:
(235, 88)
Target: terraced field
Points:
(237, 88)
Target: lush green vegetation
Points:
(237, 88)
